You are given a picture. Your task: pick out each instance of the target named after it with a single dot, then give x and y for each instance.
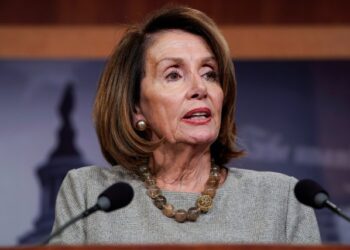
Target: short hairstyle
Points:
(119, 89)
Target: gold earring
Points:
(141, 125)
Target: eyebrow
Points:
(174, 59)
(179, 60)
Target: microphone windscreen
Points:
(307, 191)
(116, 196)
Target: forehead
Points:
(177, 43)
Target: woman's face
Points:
(181, 97)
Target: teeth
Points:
(198, 117)
(199, 114)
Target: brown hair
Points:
(119, 89)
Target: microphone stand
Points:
(84, 214)
(336, 210)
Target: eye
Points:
(211, 76)
(173, 76)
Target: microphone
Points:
(117, 196)
(114, 197)
(310, 193)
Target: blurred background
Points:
(292, 61)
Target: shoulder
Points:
(87, 183)
(261, 177)
(97, 174)
(262, 183)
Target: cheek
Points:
(161, 115)
(218, 99)
(159, 109)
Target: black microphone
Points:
(114, 197)
(310, 193)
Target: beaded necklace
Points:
(202, 205)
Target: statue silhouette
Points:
(63, 158)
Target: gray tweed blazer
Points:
(250, 207)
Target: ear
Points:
(137, 115)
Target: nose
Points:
(197, 88)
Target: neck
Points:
(184, 169)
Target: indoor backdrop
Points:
(292, 61)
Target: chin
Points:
(202, 138)
(197, 136)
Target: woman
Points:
(164, 114)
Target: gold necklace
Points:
(203, 203)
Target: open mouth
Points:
(198, 114)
